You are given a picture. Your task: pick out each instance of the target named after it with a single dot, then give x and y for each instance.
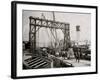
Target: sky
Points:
(74, 19)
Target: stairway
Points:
(36, 62)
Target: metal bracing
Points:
(48, 23)
(36, 23)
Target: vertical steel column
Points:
(68, 32)
(69, 43)
(34, 40)
(30, 40)
(32, 35)
(66, 37)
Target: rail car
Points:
(85, 52)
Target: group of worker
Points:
(69, 53)
(74, 52)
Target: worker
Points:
(70, 53)
(77, 55)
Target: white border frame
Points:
(21, 72)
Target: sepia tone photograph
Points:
(54, 39)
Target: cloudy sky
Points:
(84, 20)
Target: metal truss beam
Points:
(37, 23)
(48, 23)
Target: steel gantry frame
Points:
(36, 23)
